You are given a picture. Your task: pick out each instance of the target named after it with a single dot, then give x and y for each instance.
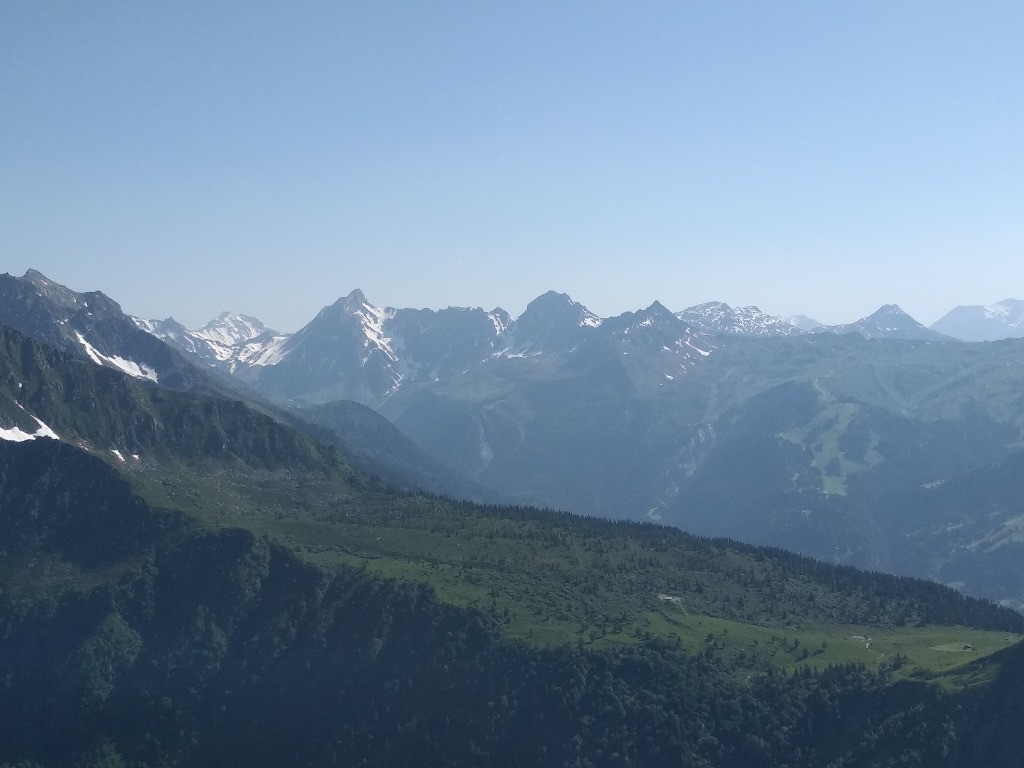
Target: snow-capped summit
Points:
(220, 341)
(716, 317)
(229, 329)
(1002, 320)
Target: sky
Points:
(807, 157)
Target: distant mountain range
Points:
(717, 420)
(652, 414)
(356, 350)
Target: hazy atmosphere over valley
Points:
(538, 384)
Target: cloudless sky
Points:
(808, 157)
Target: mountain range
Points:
(358, 351)
(355, 350)
(717, 420)
(190, 575)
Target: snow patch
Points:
(230, 330)
(696, 349)
(118, 454)
(497, 322)
(268, 353)
(18, 435)
(122, 364)
(372, 320)
(44, 430)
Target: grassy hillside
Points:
(182, 636)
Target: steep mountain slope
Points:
(93, 327)
(115, 416)
(1002, 320)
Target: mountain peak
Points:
(558, 307)
(889, 309)
(35, 276)
(655, 312)
(355, 303)
(551, 322)
(550, 299)
(356, 297)
(717, 317)
(52, 291)
(889, 322)
(1002, 320)
(230, 329)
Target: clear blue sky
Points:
(815, 157)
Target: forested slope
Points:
(135, 636)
